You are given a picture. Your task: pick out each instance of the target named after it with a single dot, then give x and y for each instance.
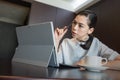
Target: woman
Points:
(83, 43)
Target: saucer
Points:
(95, 68)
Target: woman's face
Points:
(80, 29)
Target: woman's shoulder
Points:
(66, 40)
(96, 39)
(69, 40)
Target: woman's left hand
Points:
(80, 63)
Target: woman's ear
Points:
(91, 30)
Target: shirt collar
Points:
(78, 42)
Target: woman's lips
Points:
(73, 33)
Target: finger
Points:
(58, 30)
(65, 28)
(82, 68)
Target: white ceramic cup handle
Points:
(105, 61)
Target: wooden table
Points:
(20, 71)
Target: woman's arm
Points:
(112, 56)
(114, 64)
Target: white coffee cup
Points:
(95, 61)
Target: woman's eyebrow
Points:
(78, 23)
(81, 24)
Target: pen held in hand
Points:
(67, 27)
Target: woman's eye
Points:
(74, 22)
(81, 26)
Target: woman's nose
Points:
(75, 26)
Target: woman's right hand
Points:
(59, 33)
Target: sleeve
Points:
(60, 58)
(107, 52)
(59, 55)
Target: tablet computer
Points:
(36, 45)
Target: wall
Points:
(44, 13)
(20, 13)
(8, 43)
(108, 26)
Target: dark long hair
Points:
(92, 17)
